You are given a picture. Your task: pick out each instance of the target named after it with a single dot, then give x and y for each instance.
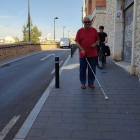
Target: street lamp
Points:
(68, 34)
(54, 27)
(29, 19)
(63, 31)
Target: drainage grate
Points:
(5, 65)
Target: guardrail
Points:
(73, 49)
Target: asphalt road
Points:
(22, 83)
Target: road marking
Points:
(8, 127)
(21, 58)
(47, 56)
(24, 130)
(54, 69)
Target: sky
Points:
(14, 13)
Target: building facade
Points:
(96, 11)
(121, 19)
(123, 28)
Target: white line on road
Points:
(21, 58)
(54, 69)
(47, 56)
(8, 127)
(24, 130)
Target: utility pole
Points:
(29, 19)
(54, 27)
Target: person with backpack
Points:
(103, 40)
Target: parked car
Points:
(65, 42)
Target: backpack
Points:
(107, 51)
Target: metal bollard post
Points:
(71, 50)
(57, 72)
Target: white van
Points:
(65, 42)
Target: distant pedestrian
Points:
(86, 40)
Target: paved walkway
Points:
(72, 113)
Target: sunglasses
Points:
(86, 21)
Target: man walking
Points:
(86, 40)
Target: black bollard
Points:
(71, 50)
(56, 72)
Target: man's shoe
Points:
(83, 86)
(91, 86)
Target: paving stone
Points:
(100, 128)
(84, 110)
(39, 138)
(74, 105)
(125, 102)
(117, 136)
(97, 115)
(85, 121)
(104, 102)
(117, 106)
(73, 127)
(130, 111)
(60, 120)
(122, 116)
(136, 136)
(36, 132)
(57, 134)
(112, 111)
(47, 114)
(137, 116)
(126, 128)
(42, 119)
(53, 105)
(95, 106)
(133, 106)
(38, 125)
(112, 121)
(132, 122)
(86, 135)
(74, 115)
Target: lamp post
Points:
(63, 30)
(54, 27)
(68, 34)
(29, 20)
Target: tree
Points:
(16, 39)
(34, 32)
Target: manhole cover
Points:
(5, 65)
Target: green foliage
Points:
(34, 32)
(16, 40)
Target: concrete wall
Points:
(99, 20)
(110, 22)
(137, 40)
(10, 50)
(114, 29)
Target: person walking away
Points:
(86, 40)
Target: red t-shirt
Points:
(87, 37)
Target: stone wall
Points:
(137, 50)
(10, 50)
(110, 22)
(100, 19)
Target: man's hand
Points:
(83, 52)
(93, 46)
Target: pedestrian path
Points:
(71, 113)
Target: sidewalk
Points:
(71, 113)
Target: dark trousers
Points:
(83, 66)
